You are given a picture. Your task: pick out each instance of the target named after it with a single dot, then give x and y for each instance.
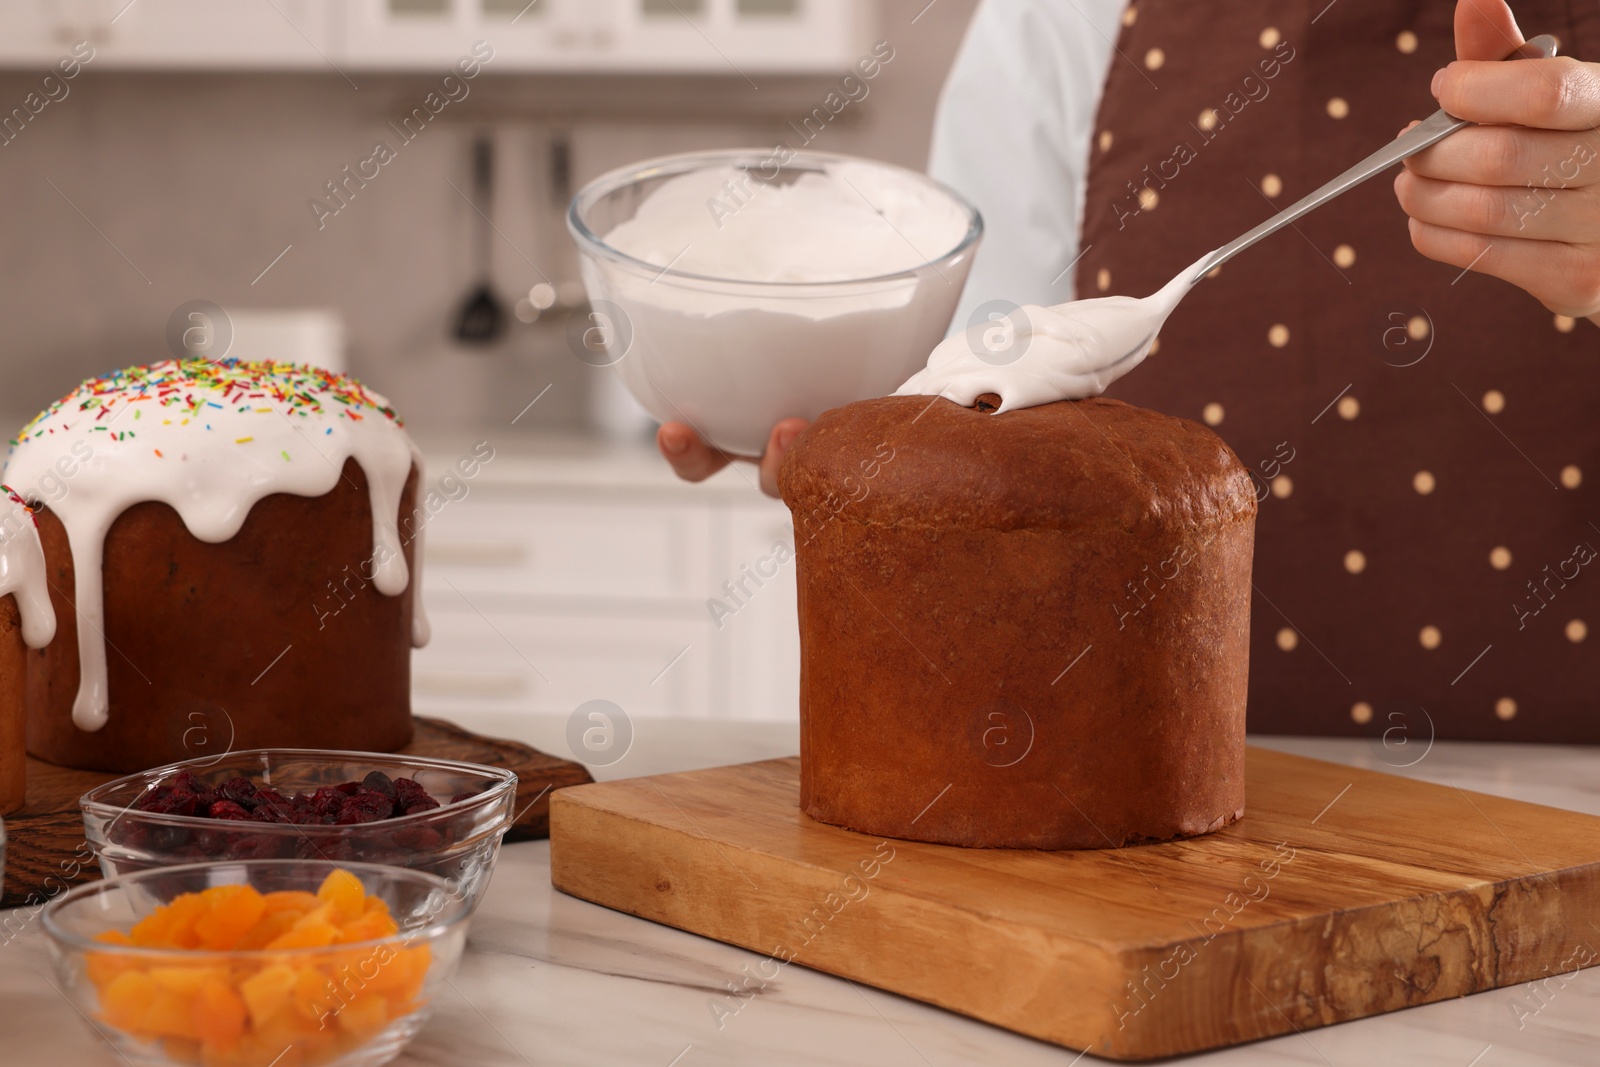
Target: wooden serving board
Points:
(45, 847)
(1342, 893)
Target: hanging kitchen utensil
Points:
(482, 317)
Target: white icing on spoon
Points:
(1037, 355)
(22, 570)
(210, 440)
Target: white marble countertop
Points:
(548, 979)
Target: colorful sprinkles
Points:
(21, 503)
(185, 387)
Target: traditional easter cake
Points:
(231, 552)
(26, 621)
(1027, 629)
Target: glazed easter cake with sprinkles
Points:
(195, 518)
(26, 621)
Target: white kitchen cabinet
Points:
(562, 579)
(506, 543)
(32, 34)
(763, 635)
(169, 34)
(738, 37)
(733, 37)
(533, 661)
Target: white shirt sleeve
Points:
(1012, 134)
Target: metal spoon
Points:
(1429, 132)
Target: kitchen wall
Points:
(138, 192)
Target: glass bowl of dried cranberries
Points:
(433, 815)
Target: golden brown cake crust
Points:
(193, 629)
(1020, 630)
(1075, 465)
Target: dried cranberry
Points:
(339, 851)
(378, 782)
(167, 838)
(255, 847)
(349, 789)
(459, 797)
(227, 809)
(418, 838)
(365, 806)
(411, 798)
(326, 802)
(272, 813)
(169, 802)
(144, 801)
(271, 806)
(240, 790)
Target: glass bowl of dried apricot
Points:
(258, 963)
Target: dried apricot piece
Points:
(372, 926)
(183, 979)
(102, 967)
(124, 1002)
(266, 930)
(297, 900)
(230, 913)
(345, 892)
(400, 976)
(313, 994)
(364, 1016)
(314, 929)
(217, 1013)
(169, 1015)
(266, 991)
(171, 926)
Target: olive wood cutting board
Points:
(1342, 893)
(46, 851)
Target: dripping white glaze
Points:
(210, 440)
(1037, 355)
(22, 571)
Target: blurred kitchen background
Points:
(180, 163)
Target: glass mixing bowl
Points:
(347, 1004)
(459, 842)
(733, 357)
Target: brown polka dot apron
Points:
(1425, 441)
